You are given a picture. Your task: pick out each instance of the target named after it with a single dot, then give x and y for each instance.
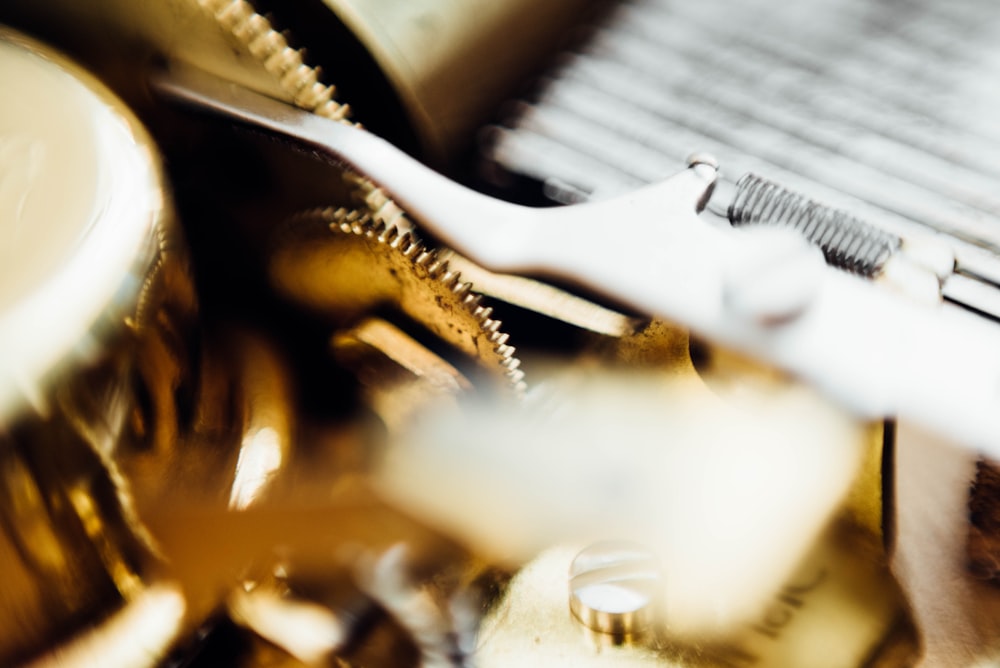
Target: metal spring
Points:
(846, 241)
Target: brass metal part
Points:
(542, 298)
(268, 412)
(248, 33)
(307, 631)
(296, 81)
(225, 37)
(287, 75)
(228, 38)
(95, 278)
(371, 605)
(838, 591)
(860, 593)
(152, 622)
(344, 265)
(318, 534)
(433, 53)
(400, 376)
(614, 587)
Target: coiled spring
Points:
(846, 241)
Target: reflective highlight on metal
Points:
(614, 587)
(341, 264)
(94, 281)
(304, 473)
(432, 53)
(668, 244)
(81, 223)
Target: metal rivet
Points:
(701, 158)
(614, 588)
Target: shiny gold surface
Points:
(434, 54)
(400, 377)
(837, 593)
(202, 490)
(343, 265)
(152, 622)
(50, 139)
(81, 221)
(615, 589)
(188, 30)
(93, 270)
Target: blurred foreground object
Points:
(96, 310)
(689, 474)
(739, 496)
(283, 551)
(759, 290)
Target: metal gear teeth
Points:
(363, 224)
(423, 258)
(450, 278)
(302, 83)
(378, 203)
(437, 268)
(279, 59)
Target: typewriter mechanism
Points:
(622, 333)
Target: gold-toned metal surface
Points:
(84, 221)
(542, 297)
(344, 265)
(94, 274)
(433, 53)
(839, 592)
(614, 589)
(153, 621)
(226, 37)
(202, 491)
(400, 377)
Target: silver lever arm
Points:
(761, 291)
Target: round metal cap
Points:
(614, 587)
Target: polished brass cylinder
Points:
(96, 315)
(451, 63)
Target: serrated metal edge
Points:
(363, 224)
(303, 84)
(301, 81)
(384, 221)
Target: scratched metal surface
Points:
(887, 107)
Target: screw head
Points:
(614, 588)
